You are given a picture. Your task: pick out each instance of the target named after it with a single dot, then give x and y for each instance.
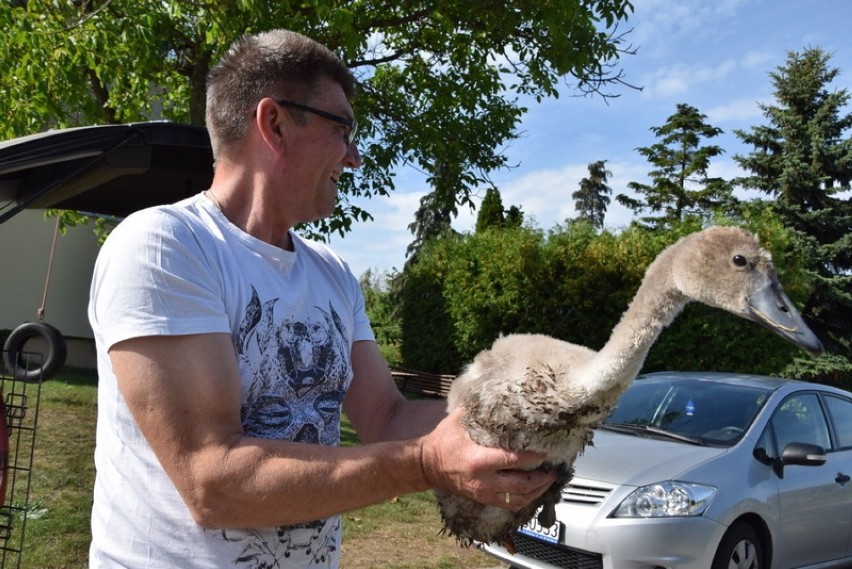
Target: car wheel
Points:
(740, 548)
(54, 357)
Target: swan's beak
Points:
(770, 307)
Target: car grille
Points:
(586, 492)
(557, 555)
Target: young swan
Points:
(534, 392)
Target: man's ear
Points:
(271, 123)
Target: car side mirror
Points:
(802, 454)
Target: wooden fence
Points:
(422, 383)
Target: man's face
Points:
(319, 153)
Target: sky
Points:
(715, 55)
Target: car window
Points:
(764, 450)
(638, 404)
(841, 416)
(800, 419)
(714, 413)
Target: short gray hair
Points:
(278, 64)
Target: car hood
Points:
(106, 169)
(619, 459)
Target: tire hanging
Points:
(18, 363)
(57, 351)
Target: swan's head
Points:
(726, 267)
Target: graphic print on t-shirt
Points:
(296, 369)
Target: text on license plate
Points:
(535, 529)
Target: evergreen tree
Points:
(430, 221)
(591, 200)
(802, 159)
(491, 212)
(514, 217)
(679, 185)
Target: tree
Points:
(491, 212)
(802, 159)
(439, 81)
(383, 312)
(492, 215)
(514, 217)
(431, 220)
(591, 199)
(679, 185)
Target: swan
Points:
(534, 392)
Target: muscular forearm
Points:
(260, 482)
(410, 419)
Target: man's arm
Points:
(377, 409)
(184, 392)
(451, 460)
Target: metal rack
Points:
(22, 400)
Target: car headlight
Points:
(666, 499)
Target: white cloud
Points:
(545, 195)
(738, 110)
(401, 207)
(681, 78)
(667, 86)
(660, 25)
(675, 18)
(758, 59)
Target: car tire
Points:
(54, 357)
(741, 548)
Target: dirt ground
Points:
(416, 547)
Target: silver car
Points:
(706, 470)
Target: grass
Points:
(402, 533)
(57, 531)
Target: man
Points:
(227, 346)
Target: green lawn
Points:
(57, 528)
(402, 533)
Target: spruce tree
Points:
(679, 184)
(490, 211)
(431, 220)
(591, 199)
(493, 215)
(802, 160)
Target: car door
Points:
(812, 505)
(840, 416)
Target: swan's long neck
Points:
(656, 304)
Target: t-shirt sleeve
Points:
(363, 328)
(153, 278)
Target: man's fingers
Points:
(522, 487)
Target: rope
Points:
(40, 311)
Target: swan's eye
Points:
(740, 261)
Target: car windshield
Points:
(695, 411)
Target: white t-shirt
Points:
(293, 316)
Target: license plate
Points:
(534, 529)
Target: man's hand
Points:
(454, 462)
